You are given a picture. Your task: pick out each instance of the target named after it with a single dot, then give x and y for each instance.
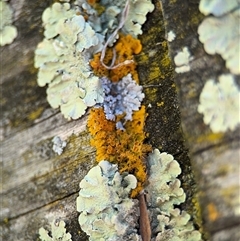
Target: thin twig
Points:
(145, 228)
(112, 37)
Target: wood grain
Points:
(214, 157)
(38, 186)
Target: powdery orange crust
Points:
(125, 47)
(124, 148)
(92, 2)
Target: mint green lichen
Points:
(219, 104)
(7, 32)
(217, 7)
(164, 191)
(52, 16)
(182, 60)
(63, 61)
(164, 171)
(108, 21)
(138, 9)
(107, 212)
(220, 33)
(58, 232)
(70, 41)
(137, 16)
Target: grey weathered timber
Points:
(38, 186)
(214, 157)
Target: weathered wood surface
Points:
(38, 186)
(215, 157)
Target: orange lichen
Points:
(98, 68)
(92, 2)
(97, 6)
(124, 148)
(125, 47)
(213, 213)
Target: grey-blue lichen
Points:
(122, 97)
(8, 32)
(58, 145)
(168, 223)
(58, 232)
(107, 212)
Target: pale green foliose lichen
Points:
(7, 32)
(220, 35)
(58, 232)
(217, 7)
(107, 212)
(138, 11)
(51, 18)
(171, 36)
(219, 104)
(164, 192)
(63, 62)
(70, 41)
(182, 60)
(109, 19)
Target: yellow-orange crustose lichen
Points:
(97, 6)
(92, 2)
(125, 47)
(124, 148)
